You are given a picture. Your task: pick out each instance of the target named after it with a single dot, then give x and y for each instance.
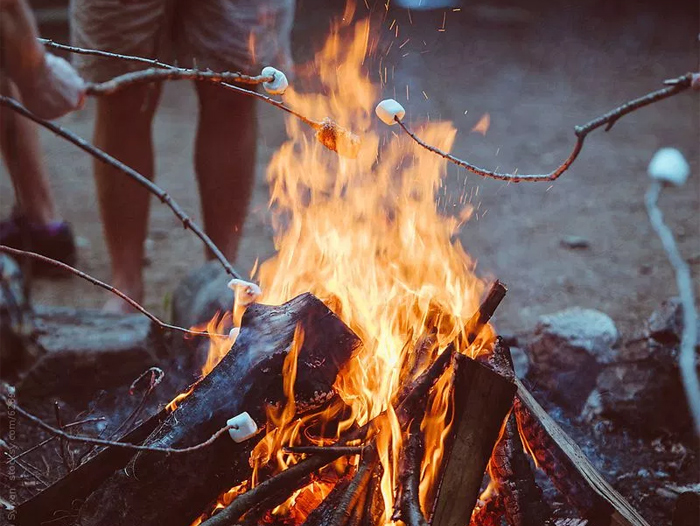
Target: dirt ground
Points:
(538, 68)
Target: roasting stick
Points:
(328, 132)
(161, 194)
(673, 87)
(133, 303)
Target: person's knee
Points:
(132, 106)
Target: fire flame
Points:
(366, 237)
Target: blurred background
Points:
(537, 69)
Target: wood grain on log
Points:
(155, 489)
(482, 400)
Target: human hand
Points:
(53, 89)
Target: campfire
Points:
(365, 385)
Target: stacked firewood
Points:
(497, 425)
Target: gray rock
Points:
(16, 351)
(665, 325)
(642, 392)
(575, 242)
(202, 294)
(567, 351)
(86, 352)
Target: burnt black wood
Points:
(156, 489)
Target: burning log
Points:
(247, 379)
(407, 507)
(569, 469)
(482, 400)
(511, 471)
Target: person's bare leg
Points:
(123, 129)
(225, 163)
(21, 151)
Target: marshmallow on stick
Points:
(669, 166)
(242, 427)
(245, 291)
(389, 110)
(278, 85)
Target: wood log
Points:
(569, 469)
(156, 489)
(407, 507)
(509, 467)
(482, 399)
(515, 482)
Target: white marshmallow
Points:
(279, 85)
(669, 165)
(242, 427)
(246, 292)
(388, 109)
(233, 334)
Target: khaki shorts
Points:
(220, 35)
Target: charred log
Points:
(511, 471)
(155, 489)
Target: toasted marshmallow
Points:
(246, 292)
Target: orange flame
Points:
(366, 237)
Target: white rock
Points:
(669, 165)
(246, 292)
(279, 85)
(388, 109)
(242, 428)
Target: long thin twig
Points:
(95, 281)
(684, 282)
(313, 450)
(174, 70)
(101, 442)
(145, 76)
(161, 194)
(674, 86)
(52, 438)
(153, 62)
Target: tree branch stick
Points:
(100, 442)
(146, 76)
(674, 86)
(161, 324)
(161, 194)
(684, 282)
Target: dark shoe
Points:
(54, 241)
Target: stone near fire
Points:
(669, 165)
(200, 295)
(642, 390)
(85, 353)
(389, 110)
(567, 351)
(279, 83)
